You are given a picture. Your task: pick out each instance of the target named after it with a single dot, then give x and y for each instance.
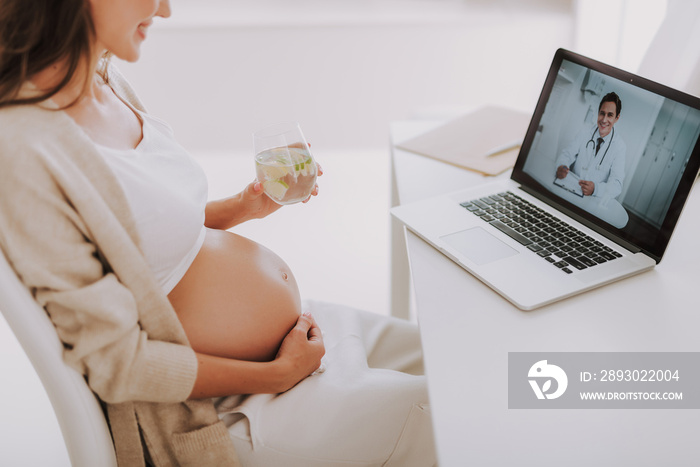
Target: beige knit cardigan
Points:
(67, 230)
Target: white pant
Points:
(368, 408)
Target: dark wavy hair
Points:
(615, 99)
(35, 34)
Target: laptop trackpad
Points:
(478, 245)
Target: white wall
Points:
(217, 69)
(345, 70)
(618, 32)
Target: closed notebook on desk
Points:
(500, 132)
(533, 238)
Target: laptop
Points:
(576, 212)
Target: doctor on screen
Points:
(597, 155)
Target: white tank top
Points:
(167, 193)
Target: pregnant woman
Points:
(195, 338)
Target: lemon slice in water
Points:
(276, 188)
(274, 172)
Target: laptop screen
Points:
(615, 151)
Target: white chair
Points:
(83, 424)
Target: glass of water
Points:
(283, 163)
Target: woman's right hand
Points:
(298, 357)
(251, 203)
(301, 351)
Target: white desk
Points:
(416, 177)
(468, 330)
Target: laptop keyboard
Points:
(555, 241)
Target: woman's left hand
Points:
(314, 192)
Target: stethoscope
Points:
(591, 141)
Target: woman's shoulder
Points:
(25, 126)
(29, 124)
(16, 116)
(34, 137)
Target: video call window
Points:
(622, 168)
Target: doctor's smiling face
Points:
(608, 114)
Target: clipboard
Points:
(570, 183)
(487, 140)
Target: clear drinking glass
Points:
(283, 163)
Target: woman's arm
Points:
(51, 221)
(251, 203)
(299, 356)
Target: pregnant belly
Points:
(238, 299)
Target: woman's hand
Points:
(251, 203)
(255, 202)
(299, 356)
(301, 351)
(314, 192)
